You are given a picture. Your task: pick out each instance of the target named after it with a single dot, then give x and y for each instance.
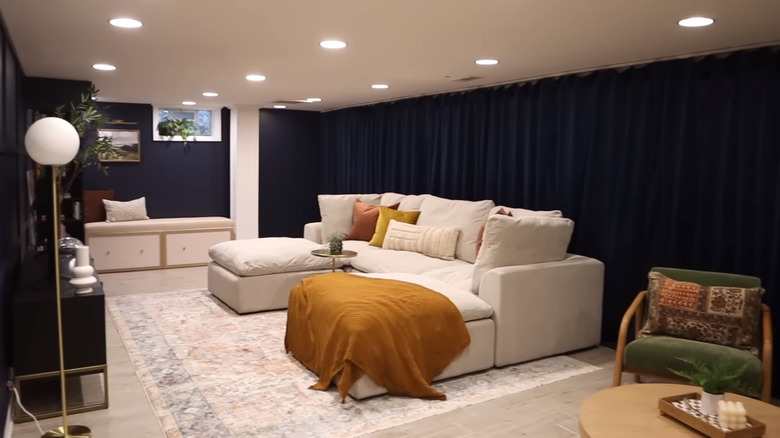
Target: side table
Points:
(345, 254)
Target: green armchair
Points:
(654, 355)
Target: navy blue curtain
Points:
(670, 164)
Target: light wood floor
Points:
(547, 411)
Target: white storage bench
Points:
(155, 243)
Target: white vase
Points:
(82, 272)
(709, 403)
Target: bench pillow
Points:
(118, 211)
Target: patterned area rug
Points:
(209, 372)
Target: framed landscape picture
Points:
(127, 143)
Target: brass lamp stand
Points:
(54, 141)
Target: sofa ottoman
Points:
(252, 275)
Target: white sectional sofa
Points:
(522, 295)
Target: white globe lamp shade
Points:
(52, 141)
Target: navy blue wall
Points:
(177, 181)
(290, 171)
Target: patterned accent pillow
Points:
(720, 315)
(439, 242)
(118, 211)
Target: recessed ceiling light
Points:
(333, 44)
(313, 99)
(695, 22)
(487, 61)
(280, 106)
(106, 67)
(255, 78)
(188, 102)
(128, 23)
(380, 86)
(210, 94)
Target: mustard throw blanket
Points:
(401, 334)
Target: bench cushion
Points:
(268, 255)
(156, 225)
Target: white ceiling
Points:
(418, 47)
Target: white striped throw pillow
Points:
(439, 242)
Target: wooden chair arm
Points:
(636, 309)
(766, 352)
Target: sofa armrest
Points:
(545, 309)
(313, 231)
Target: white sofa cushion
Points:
(268, 255)
(466, 215)
(386, 260)
(469, 305)
(458, 275)
(511, 241)
(391, 198)
(412, 202)
(436, 242)
(336, 212)
(517, 212)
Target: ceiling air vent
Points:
(468, 79)
(290, 101)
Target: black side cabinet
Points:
(35, 342)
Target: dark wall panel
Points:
(13, 212)
(290, 171)
(177, 181)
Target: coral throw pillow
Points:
(385, 215)
(364, 218)
(716, 314)
(94, 211)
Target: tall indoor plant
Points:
(87, 119)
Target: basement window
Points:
(208, 121)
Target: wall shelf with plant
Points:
(172, 128)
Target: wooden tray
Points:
(757, 428)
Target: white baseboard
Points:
(9, 423)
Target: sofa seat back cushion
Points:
(436, 242)
(466, 215)
(268, 255)
(658, 354)
(511, 241)
(336, 212)
(385, 260)
(517, 212)
(94, 210)
(470, 306)
(119, 211)
(722, 315)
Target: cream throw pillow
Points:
(513, 241)
(118, 211)
(439, 242)
(336, 212)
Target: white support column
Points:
(245, 170)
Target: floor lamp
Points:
(55, 142)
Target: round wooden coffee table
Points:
(632, 411)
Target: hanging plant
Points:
(183, 128)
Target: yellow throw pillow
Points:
(385, 214)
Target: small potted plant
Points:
(715, 379)
(335, 244)
(183, 128)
